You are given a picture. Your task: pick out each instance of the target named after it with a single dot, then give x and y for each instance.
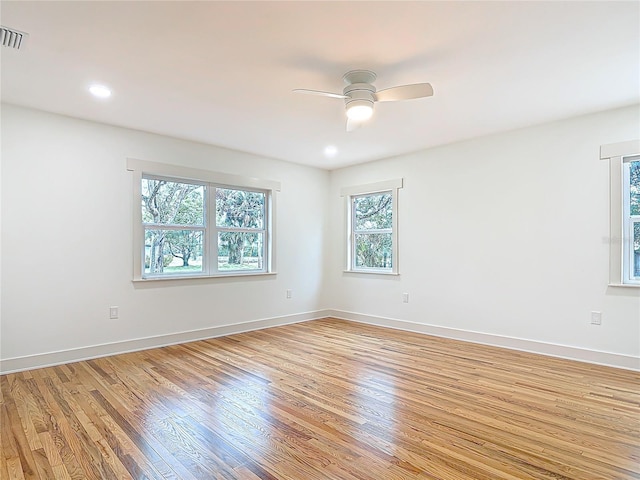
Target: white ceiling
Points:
(222, 72)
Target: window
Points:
(194, 223)
(372, 230)
(174, 226)
(372, 237)
(624, 238)
(631, 219)
(240, 229)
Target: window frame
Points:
(353, 192)
(211, 180)
(620, 239)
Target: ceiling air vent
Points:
(12, 38)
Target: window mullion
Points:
(163, 226)
(240, 230)
(374, 230)
(212, 232)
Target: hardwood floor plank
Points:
(4, 473)
(81, 442)
(60, 472)
(325, 399)
(43, 466)
(50, 450)
(14, 469)
(139, 440)
(23, 455)
(54, 417)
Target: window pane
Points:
(636, 250)
(174, 203)
(634, 187)
(240, 251)
(172, 252)
(373, 250)
(239, 208)
(373, 211)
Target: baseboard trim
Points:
(29, 362)
(553, 350)
(17, 364)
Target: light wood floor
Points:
(326, 399)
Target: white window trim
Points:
(176, 172)
(616, 154)
(348, 193)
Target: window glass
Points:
(373, 211)
(172, 203)
(634, 211)
(240, 251)
(373, 250)
(635, 242)
(634, 187)
(239, 208)
(172, 251)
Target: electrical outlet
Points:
(113, 312)
(405, 298)
(288, 293)
(596, 318)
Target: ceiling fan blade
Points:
(404, 92)
(318, 92)
(353, 124)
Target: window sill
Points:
(202, 277)
(625, 285)
(372, 272)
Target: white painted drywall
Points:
(504, 235)
(67, 238)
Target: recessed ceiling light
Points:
(330, 151)
(99, 91)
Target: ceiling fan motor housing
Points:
(358, 89)
(359, 94)
(359, 76)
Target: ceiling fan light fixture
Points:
(360, 110)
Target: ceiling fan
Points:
(359, 95)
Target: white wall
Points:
(67, 241)
(503, 235)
